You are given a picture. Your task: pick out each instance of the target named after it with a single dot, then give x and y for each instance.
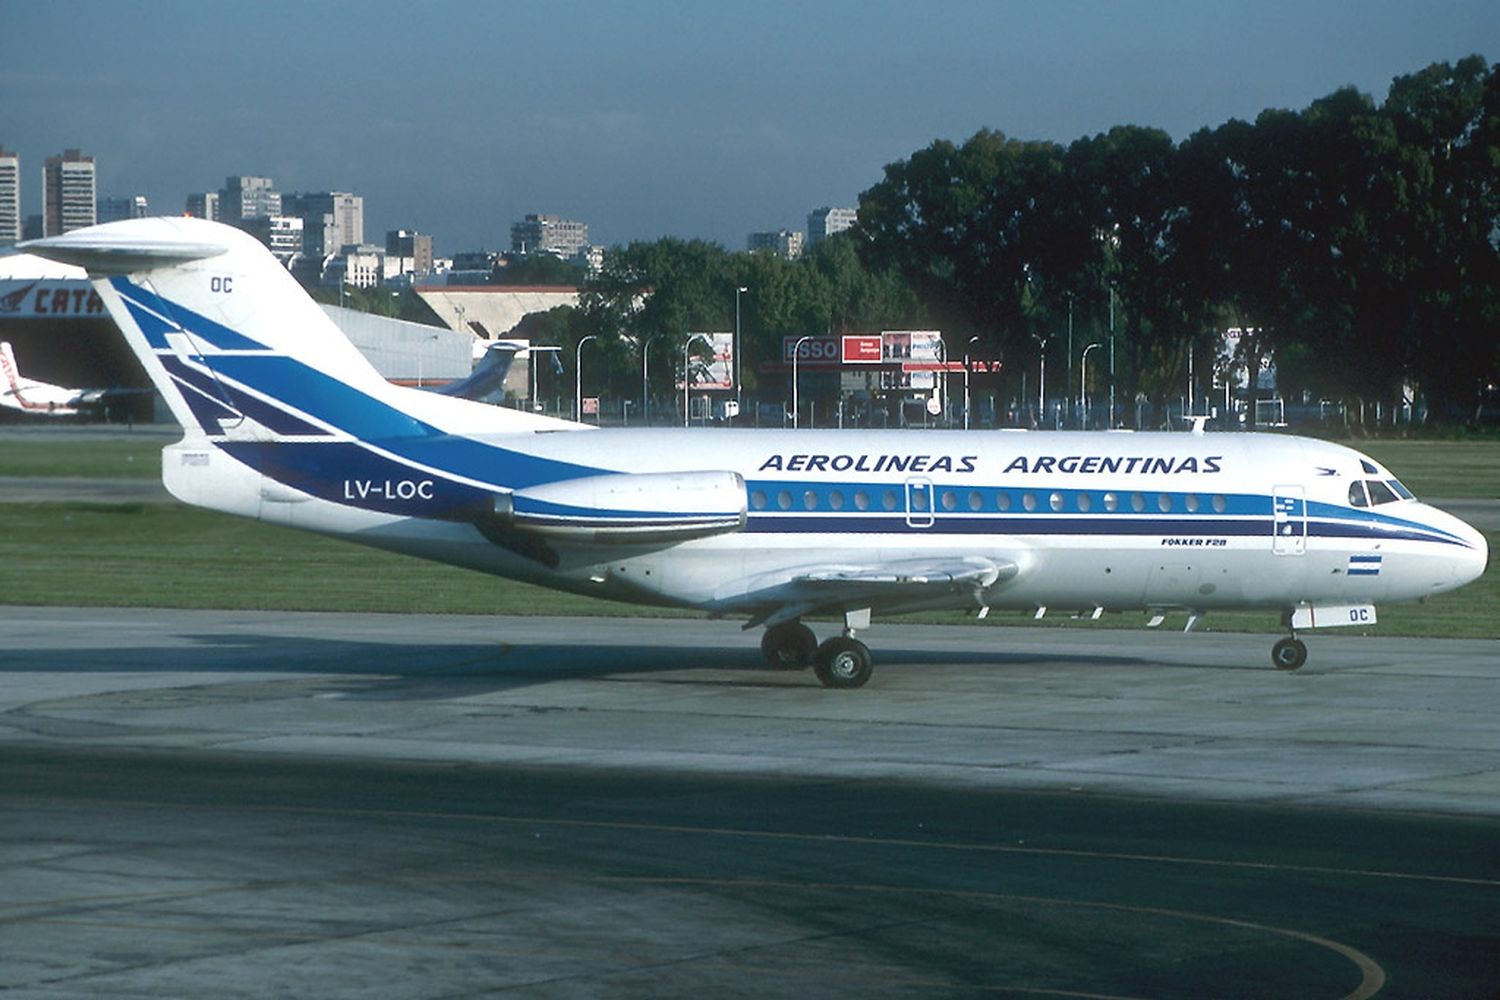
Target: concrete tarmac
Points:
(1370, 722)
(243, 804)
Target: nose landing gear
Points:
(1289, 653)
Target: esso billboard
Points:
(812, 350)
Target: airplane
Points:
(285, 421)
(45, 399)
(486, 383)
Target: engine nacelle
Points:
(631, 508)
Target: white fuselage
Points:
(1093, 520)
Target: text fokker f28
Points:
(286, 422)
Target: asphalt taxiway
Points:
(246, 804)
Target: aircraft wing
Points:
(919, 573)
(100, 397)
(897, 585)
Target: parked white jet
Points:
(286, 422)
(17, 392)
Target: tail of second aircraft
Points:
(12, 391)
(250, 366)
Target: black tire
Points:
(788, 646)
(1289, 654)
(843, 663)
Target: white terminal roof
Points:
(30, 267)
(491, 311)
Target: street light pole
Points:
(940, 384)
(1111, 422)
(967, 366)
(645, 380)
(578, 376)
(532, 353)
(1083, 385)
(1041, 383)
(422, 356)
(1068, 388)
(686, 374)
(796, 408)
(738, 401)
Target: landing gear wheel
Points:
(1289, 654)
(843, 663)
(788, 646)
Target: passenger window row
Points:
(990, 501)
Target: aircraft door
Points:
(919, 502)
(1288, 521)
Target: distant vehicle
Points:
(285, 421)
(45, 399)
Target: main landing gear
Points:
(841, 662)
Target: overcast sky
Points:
(644, 119)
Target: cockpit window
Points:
(1369, 467)
(1374, 492)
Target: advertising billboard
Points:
(710, 361)
(863, 350)
(920, 354)
(813, 352)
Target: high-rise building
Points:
(281, 233)
(549, 234)
(785, 243)
(115, 209)
(244, 198)
(406, 243)
(824, 222)
(359, 266)
(68, 193)
(331, 220)
(204, 206)
(10, 198)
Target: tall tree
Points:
(1444, 118)
(862, 299)
(652, 296)
(957, 222)
(1110, 235)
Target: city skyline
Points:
(653, 120)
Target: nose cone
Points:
(1472, 555)
(1478, 560)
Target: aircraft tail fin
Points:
(486, 383)
(10, 393)
(14, 386)
(239, 351)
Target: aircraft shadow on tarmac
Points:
(391, 669)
